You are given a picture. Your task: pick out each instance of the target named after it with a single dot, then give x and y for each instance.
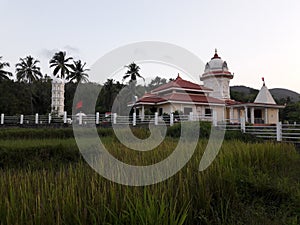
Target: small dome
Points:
(216, 64)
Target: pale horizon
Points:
(257, 39)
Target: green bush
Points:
(38, 153)
(45, 133)
(175, 130)
(205, 131)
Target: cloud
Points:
(71, 49)
(48, 53)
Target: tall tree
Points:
(156, 82)
(132, 73)
(78, 72)
(60, 62)
(4, 75)
(27, 70)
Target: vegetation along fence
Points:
(279, 131)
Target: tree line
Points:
(31, 91)
(28, 71)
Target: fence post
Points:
(134, 119)
(2, 118)
(65, 117)
(279, 131)
(97, 118)
(21, 119)
(191, 116)
(36, 118)
(156, 118)
(243, 125)
(49, 118)
(171, 119)
(80, 118)
(215, 118)
(115, 118)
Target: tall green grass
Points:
(45, 181)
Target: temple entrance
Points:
(258, 118)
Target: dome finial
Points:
(263, 79)
(216, 55)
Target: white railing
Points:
(98, 119)
(279, 132)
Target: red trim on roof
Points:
(251, 104)
(216, 56)
(180, 97)
(180, 83)
(232, 102)
(218, 72)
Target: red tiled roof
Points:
(150, 99)
(232, 102)
(180, 83)
(193, 98)
(179, 97)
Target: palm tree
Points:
(27, 70)
(60, 62)
(4, 75)
(78, 72)
(133, 73)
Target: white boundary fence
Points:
(279, 131)
(98, 119)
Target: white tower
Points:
(58, 96)
(216, 76)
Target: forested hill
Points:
(280, 93)
(248, 94)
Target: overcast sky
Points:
(256, 38)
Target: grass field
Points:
(44, 180)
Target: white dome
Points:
(216, 64)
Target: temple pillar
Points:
(246, 114)
(143, 113)
(231, 115)
(266, 116)
(252, 115)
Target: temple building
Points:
(212, 99)
(263, 110)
